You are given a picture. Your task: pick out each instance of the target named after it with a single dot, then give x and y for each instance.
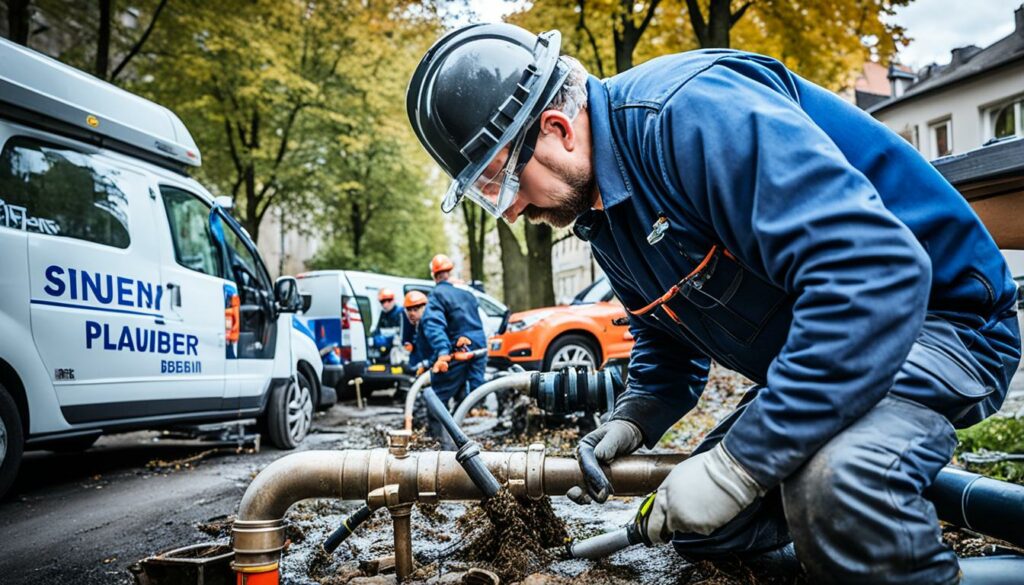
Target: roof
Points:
(1005, 51)
(34, 86)
(986, 171)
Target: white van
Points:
(128, 298)
(333, 315)
(343, 312)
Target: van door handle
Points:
(175, 291)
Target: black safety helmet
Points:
(477, 90)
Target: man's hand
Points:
(463, 343)
(441, 365)
(701, 495)
(407, 347)
(614, 438)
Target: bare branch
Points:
(700, 27)
(736, 16)
(138, 44)
(647, 17)
(590, 36)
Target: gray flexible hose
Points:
(519, 382)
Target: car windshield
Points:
(599, 290)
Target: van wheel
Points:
(571, 350)
(12, 440)
(290, 413)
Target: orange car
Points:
(586, 333)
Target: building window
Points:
(1005, 121)
(942, 138)
(909, 133)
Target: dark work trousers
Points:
(460, 379)
(854, 509)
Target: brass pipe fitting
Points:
(426, 476)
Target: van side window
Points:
(189, 219)
(54, 190)
(246, 271)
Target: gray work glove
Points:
(612, 439)
(701, 495)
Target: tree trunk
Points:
(358, 231)
(103, 40)
(251, 222)
(476, 229)
(539, 239)
(719, 24)
(19, 21)
(515, 269)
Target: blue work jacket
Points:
(757, 219)
(415, 336)
(390, 319)
(451, 313)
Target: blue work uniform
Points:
(756, 219)
(390, 319)
(452, 313)
(388, 324)
(414, 336)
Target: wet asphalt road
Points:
(85, 518)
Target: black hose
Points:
(348, 526)
(468, 452)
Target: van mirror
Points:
(307, 302)
(286, 293)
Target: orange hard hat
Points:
(386, 294)
(441, 263)
(414, 298)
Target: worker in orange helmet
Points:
(452, 322)
(412, 334)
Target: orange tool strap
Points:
(675, 288)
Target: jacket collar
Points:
(615, 187)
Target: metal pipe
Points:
(518, 382)
(982, 504)
(426, 477)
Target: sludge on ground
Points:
(451, 537)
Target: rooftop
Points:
(966, 63)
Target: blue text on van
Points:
(106, 289)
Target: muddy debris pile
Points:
(521, 537)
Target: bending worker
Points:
(451, 322)
(745, 215)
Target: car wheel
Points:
(12, 440)
(571, 350)
(290, 413)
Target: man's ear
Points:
(556, 124)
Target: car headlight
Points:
(527, 322)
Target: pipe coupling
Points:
(257, 544)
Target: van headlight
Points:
(527, 322)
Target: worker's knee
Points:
(855, 509)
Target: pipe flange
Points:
(535, 471)
(426, 476)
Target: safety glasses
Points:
(495, 188)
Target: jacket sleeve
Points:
(435, 327)
(780, 195)
(666, 378)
